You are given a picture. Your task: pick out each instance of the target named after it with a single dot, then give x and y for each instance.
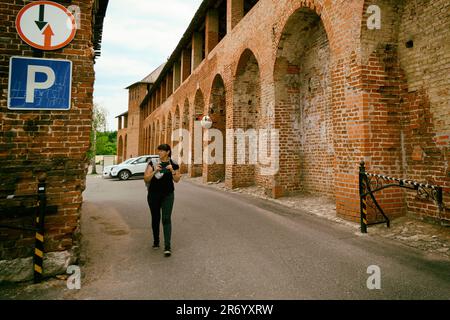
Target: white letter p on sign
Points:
(32, 85)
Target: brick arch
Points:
(321, 10)
(199, 104)
(196, 134)
(168, 130)
(185, 115)
(246, 54)
(153, 138)
(217, 111)
(143, 149)
(217, 102)
(149, 139)
(157, 134)
(246, 116)
(177, 118)
(162, 128)
(247, 91)
(185, 125)
(176, 145)
(303, 106)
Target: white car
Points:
(107, 169)
(134, 168)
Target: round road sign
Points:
(46, 25)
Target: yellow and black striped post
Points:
(363, 197)
(364, 214)
(38, 259)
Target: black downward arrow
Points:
(41, 23)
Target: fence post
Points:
(362, 197)
(38, 259)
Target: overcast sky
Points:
(138, 35)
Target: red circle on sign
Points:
(36, 45)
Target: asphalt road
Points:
(228, 246)
(231, 246)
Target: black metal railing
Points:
(370, 183)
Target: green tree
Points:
(98, 124)
(107, 143)
(112, 136)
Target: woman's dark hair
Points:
(165, 147)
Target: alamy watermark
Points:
(374, 20)
(250, 147)
(74, 281)
(76, 12)
(374, 281)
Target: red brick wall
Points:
(408, 130)
(426, 100)
(382, 83)
(246, 116)
(54, 143)
(217, 111)
(136, 95)
(303, 104)
(339, 93)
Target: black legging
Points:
(160, 202)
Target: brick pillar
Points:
(197, 50)
(195, 168)
(185, 64)
(158, 97)
(212, 30)
(176, 75)
(215, 171)
(163, 90)
(235, 13)
(169, 84)
(153, 102)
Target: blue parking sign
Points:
(39, 84)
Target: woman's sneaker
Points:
(167, 253)
(155, 246)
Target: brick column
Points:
(185, 64)
(212, 30)
(152, 103)
(158, 98)
(176, 75)
(169, 84)
(195, 168)
(197, 50)
(235, 13)
(163, 90)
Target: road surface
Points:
(232, 246)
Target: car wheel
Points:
(124, 175)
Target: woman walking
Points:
(159, 178)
